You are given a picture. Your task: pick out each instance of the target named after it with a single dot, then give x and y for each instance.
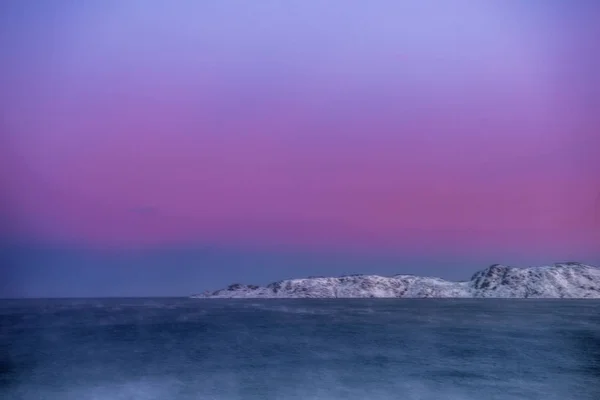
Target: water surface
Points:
(179, 349)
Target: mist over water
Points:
(300, 349)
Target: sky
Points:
(217, 141)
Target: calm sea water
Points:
(177, 349)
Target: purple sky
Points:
(459, 127)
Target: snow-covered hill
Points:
(562, 280)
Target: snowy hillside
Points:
(562, 280)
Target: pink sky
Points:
(471, 131)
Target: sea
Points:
(373, 349)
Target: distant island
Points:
(561, 280)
